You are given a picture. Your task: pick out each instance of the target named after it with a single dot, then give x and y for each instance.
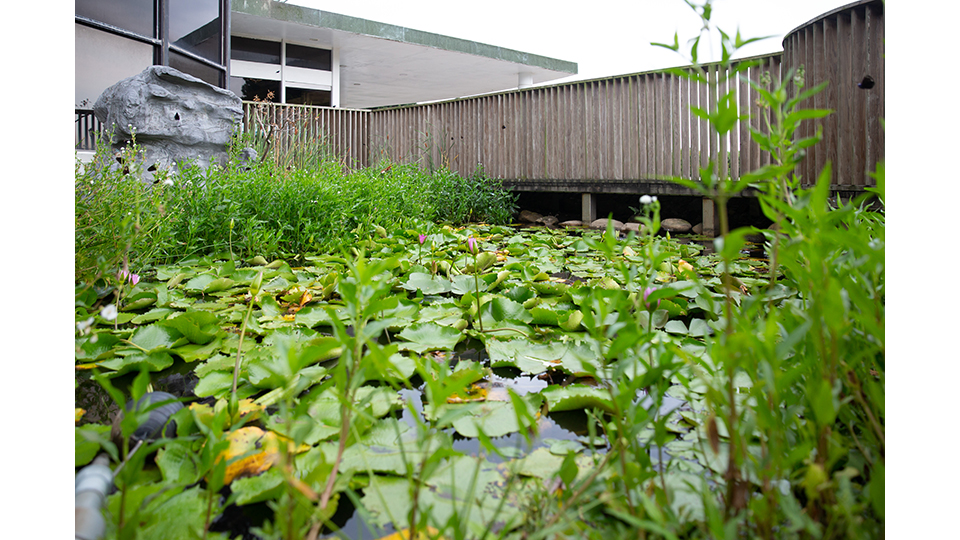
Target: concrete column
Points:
(588, 208)
(525, 80)
(335, 83)
(709, 218)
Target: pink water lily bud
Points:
(472, 244)
(423, 238)
(646, 293)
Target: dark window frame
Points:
(161, 43)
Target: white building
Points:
(299, 54)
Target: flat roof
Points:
(384, 64)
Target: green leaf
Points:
(576, 397)
(155, 336)
(429, 336)
(199, 327)
(427, 283)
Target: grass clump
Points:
(262, 209)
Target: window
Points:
(137, 16)
(195, 27)
(255, 50)
(308, 57)
(303, 96)
(250, 89)
(197, 69)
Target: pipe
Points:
(95, 481)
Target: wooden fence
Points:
(845, 47)
(635, 127)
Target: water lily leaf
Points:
(429, 336)
(675, 327)
(94, 349)
(503, 309)
(550, 288)
(534, 358)
(153, 315)
(153, 361)
(192, 352)
(494, 418)
(427, 283)
(155, 336)
(250, 452)
(699, 328)
(199, 327)
(259, 488)
(317, 315)
(562, 447)
(139, 300)
(576, 397)
(214, 383)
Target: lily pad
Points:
(429, 336)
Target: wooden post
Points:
(588, 208)
(709, 218)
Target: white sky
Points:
(604, 37)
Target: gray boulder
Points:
(675, 225)
(572, 223)
(548, 221)
(602, 224)
(174, 117)
(526, 216)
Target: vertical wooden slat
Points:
(874, 106)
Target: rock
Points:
(572, 223)
(602, 224)
(527, 216)
(174, 117)
(675, 225)
(633, 226)
(548, 221)
(697, 229)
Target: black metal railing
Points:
(87, 130)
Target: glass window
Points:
(308, 57)
(134, 15)
(195, 26)
(303, 96)
(249, 89)
(197, 69)
(103, 59)
(255, 50)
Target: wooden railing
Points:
(634, 127)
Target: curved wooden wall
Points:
(843, 46)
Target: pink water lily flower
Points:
(423, 238)
(472, 244)
(134, 278)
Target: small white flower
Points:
(109, 312)
(646, 199)
(168, 182)
(83, 325)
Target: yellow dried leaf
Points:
(685, 267)
(79, 414)
(252, 451)
(404, 534)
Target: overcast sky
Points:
(604, 37)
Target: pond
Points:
(529, 340)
